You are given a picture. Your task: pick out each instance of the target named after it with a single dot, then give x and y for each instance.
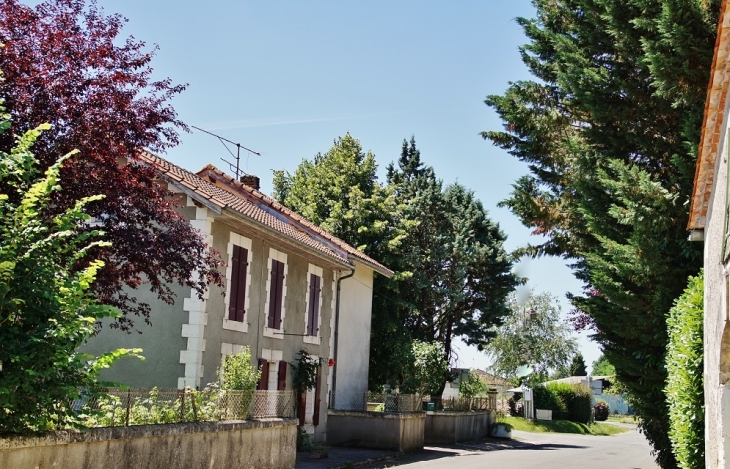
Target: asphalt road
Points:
(536, 450)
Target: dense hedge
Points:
(573, 402)
(684, 390)
(544, 399)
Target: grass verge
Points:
(622, 419)
(563, 426)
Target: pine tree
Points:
(578, 366)
(610, 131)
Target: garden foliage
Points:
(685, 384)
(574, 402)
(600, 410)
(46, 309)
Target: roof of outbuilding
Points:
(712, 124)
(254, 205)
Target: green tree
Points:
(439, 241)
(472, 387)
(449, 247)
(426, 370)
(533, 334)
(685, 383)
(338, 190)
(609, 130)
(46, 310)
(603, 367)
(578, 366)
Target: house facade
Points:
(709, 221)
(288, 284)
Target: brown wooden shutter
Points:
(242, 271)
(315, 417)
(310, 306)
(264, 379)
(272, 296)
(233, 301)
(239, 267)
(279, 293)
(302, 407)
(315, 305)
(281, 385)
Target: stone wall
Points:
(260, 444)
(454, 427)
(397, 431)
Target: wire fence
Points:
(145, 406)
(375, 402)
(384, 402)
(459, 404)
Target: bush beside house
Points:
(685, 384)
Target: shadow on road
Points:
(474, 448)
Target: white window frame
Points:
(281, 257)
(317, 338)
(242, 241)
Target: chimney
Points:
(251, 181)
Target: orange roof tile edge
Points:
(712, 124)
(234, 201)
(263, 198)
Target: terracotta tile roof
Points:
(712, 125)
(254, 205)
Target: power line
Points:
(223, 141)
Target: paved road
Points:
(536, 450)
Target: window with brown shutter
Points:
(315, 417)
(281, 377)
(275, 294)
(264, 378)
(313, 307)
(239, 266)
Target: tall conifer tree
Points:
(610, 130)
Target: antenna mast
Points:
(238, 153)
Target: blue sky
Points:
(287, 78)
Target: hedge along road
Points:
(628, 450)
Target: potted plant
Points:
(500, 428)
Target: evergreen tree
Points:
(610, 131)
(578, 366)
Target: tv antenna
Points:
(237, 156)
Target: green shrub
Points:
(545, 399)
(600, 410)
(237, 374)
(684, 389)
(46, 309)
(576, 402)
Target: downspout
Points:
(337, 332)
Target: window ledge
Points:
(235, 325)
(311, 339)
(273, 333)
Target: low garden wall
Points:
(401, 431)
(454, 427)
(265, 443)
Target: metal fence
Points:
(375, 402)
(459, 404)
(124, 407)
